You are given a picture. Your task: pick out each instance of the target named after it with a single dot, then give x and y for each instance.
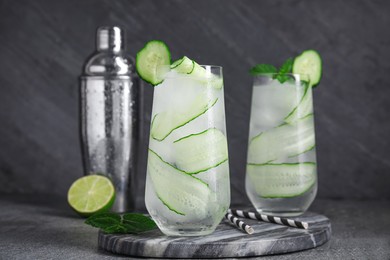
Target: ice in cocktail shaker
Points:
(110, 103)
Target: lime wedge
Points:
(91, 194)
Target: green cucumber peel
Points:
(183, 66)
(190, 135)
(307, 86)
(173, 166)
(177, 63)
(162, 175)
(182, 124)
(169, 206)
(270, 145)
(189, 138)
(282, 124)
(305, 105)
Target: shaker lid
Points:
(110, 38)
(110, 59)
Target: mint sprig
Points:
(283, 70)
(263, 69)
(280, 75)
(132, 223)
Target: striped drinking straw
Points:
(267, 218)
(239, 223)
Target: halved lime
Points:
(91, 194)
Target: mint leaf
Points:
(286, 67)
(283, 70)
(263, 69)
(138, 221)
(280, 74)
(282, 77)
(103, 220)
(108, 222)
(132, 223)
(115, 229)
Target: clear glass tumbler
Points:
(187, 184)
(281, 172)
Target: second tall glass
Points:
(281, 172)
(187, 183)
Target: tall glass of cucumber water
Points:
(187, 183)
(281, 171)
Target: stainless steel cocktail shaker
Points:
(110, 103)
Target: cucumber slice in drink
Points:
(305, 151)
(304, 108)
(184, 65)
(309, 63)
(177, 190)
(282, 180)
(206, 77)
(282, 142)
(166, 122)
(202, 151)
(272, 103)
(187, 66)
(153, 61)
(177, 63)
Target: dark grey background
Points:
(43, 44)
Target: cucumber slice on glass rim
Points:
(153, 62)
(309, 63)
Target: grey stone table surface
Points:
(43, 227)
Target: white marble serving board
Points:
(226, 241)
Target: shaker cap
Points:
(110, 59)
(110, 38)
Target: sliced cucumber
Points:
(200, 152)
(214, 82)
(206, 77)
(178, 191)
(282, 142)
(184, 65)
(187, 66)
(271, 104)
(166, 122)
(153, 61)
(200, 72)
(282, 180)
(309, 63)
(177, 63)
(304, 108)
(308, 150)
